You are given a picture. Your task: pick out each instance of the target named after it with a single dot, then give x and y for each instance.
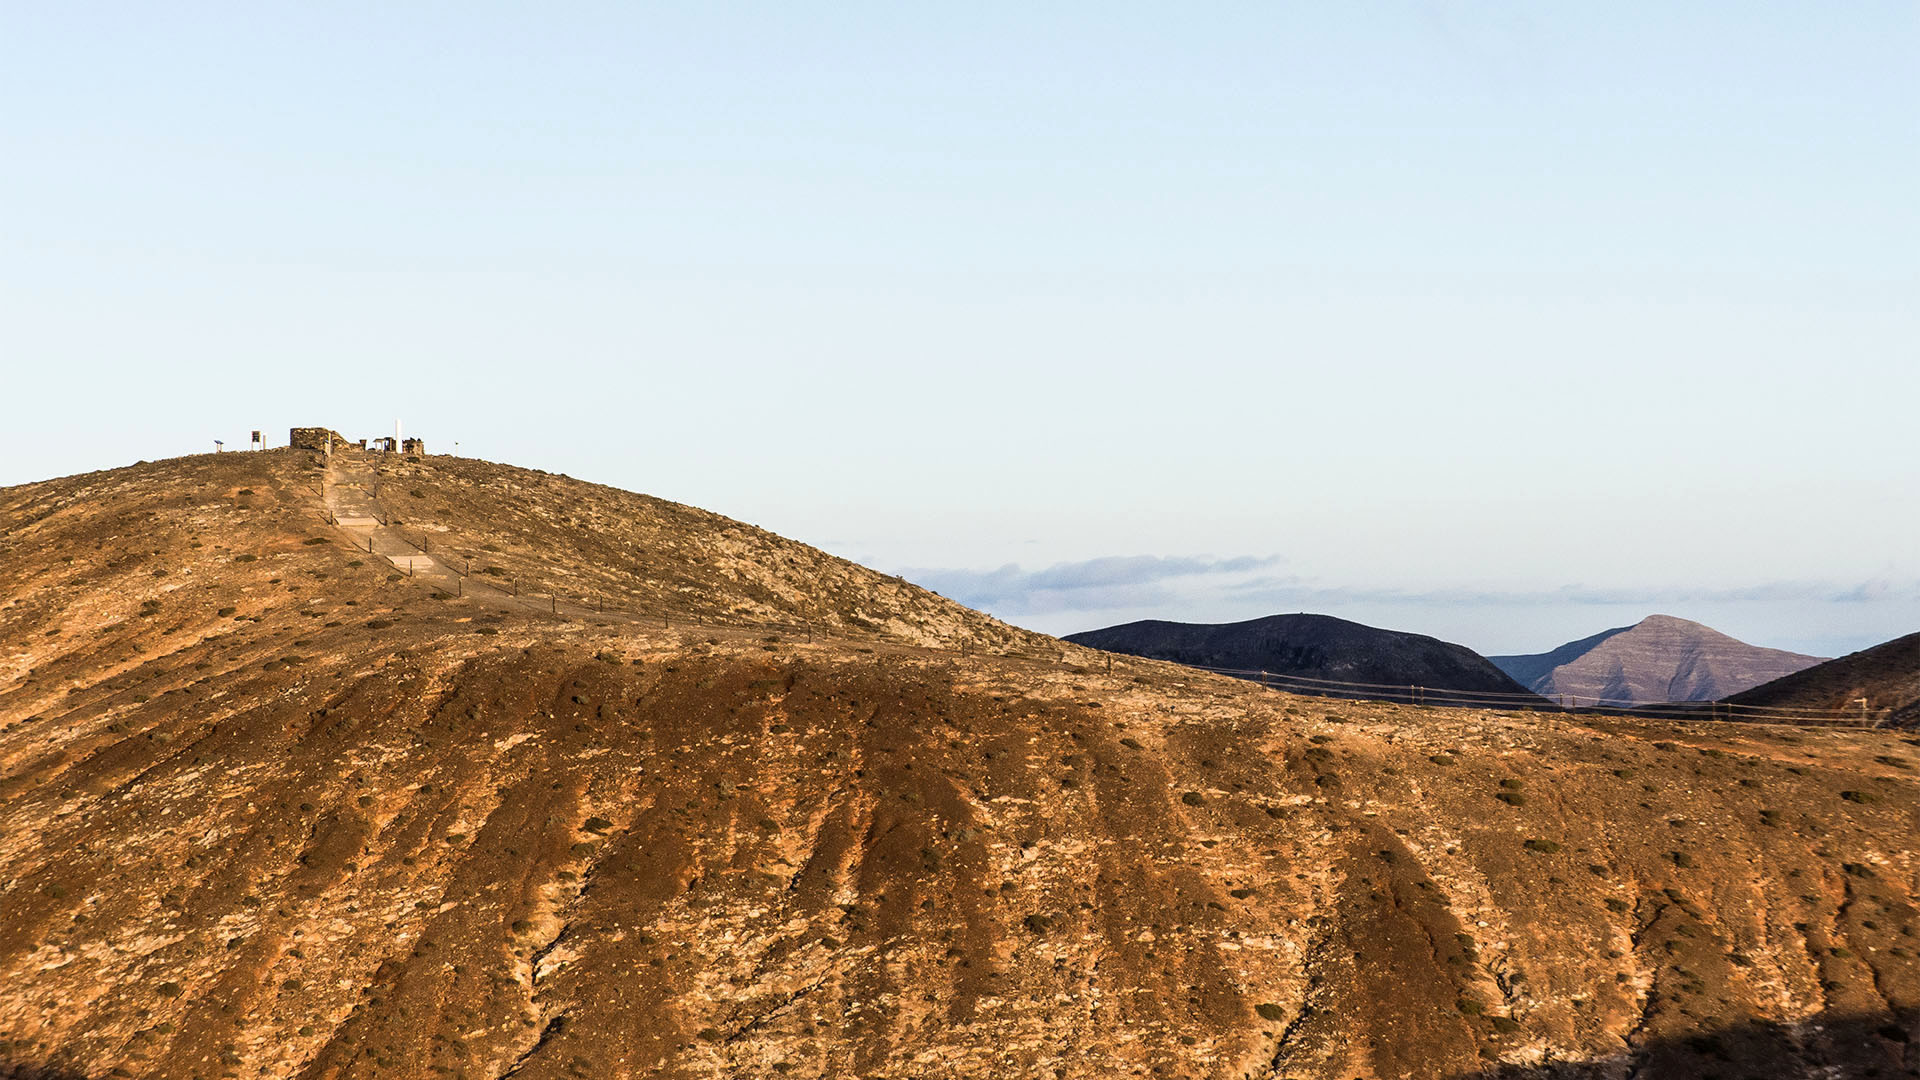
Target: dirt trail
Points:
(353, 504)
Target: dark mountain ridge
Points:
(1886, 678)
(1319, 654)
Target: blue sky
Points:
(1502, 322)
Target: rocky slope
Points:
(1887, 676)
(1323, 655)
(267, 810)
(1658, 659)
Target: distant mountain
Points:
(1887, 676)
(1386, 663)
(1659, 658)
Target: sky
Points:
(1502, 322)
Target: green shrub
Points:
(1544, 847)
(1511, 798)
(1862, 797)
(1192, 798)
(1270, 1011)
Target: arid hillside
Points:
(271, 808)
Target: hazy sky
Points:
(1502, 322)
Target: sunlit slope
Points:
(348, 829)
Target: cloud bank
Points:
(1103, 584)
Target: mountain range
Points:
(1658, 659)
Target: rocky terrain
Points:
(1322, 655)
(1881, 684)
(269, 808)
(1660, 658)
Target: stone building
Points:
(315, 438)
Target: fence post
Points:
(553, 603)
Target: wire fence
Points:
(1395, 693)
(1415, 694)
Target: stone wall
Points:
(314, 438)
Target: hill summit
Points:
(1660, 658)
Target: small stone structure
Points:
(413, 446)
(315, 438)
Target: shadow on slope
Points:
(1877, 1045)
(11, 1070)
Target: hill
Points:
(269, 807)
(1887, 676)
(1660, 658)
(1320, 654)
